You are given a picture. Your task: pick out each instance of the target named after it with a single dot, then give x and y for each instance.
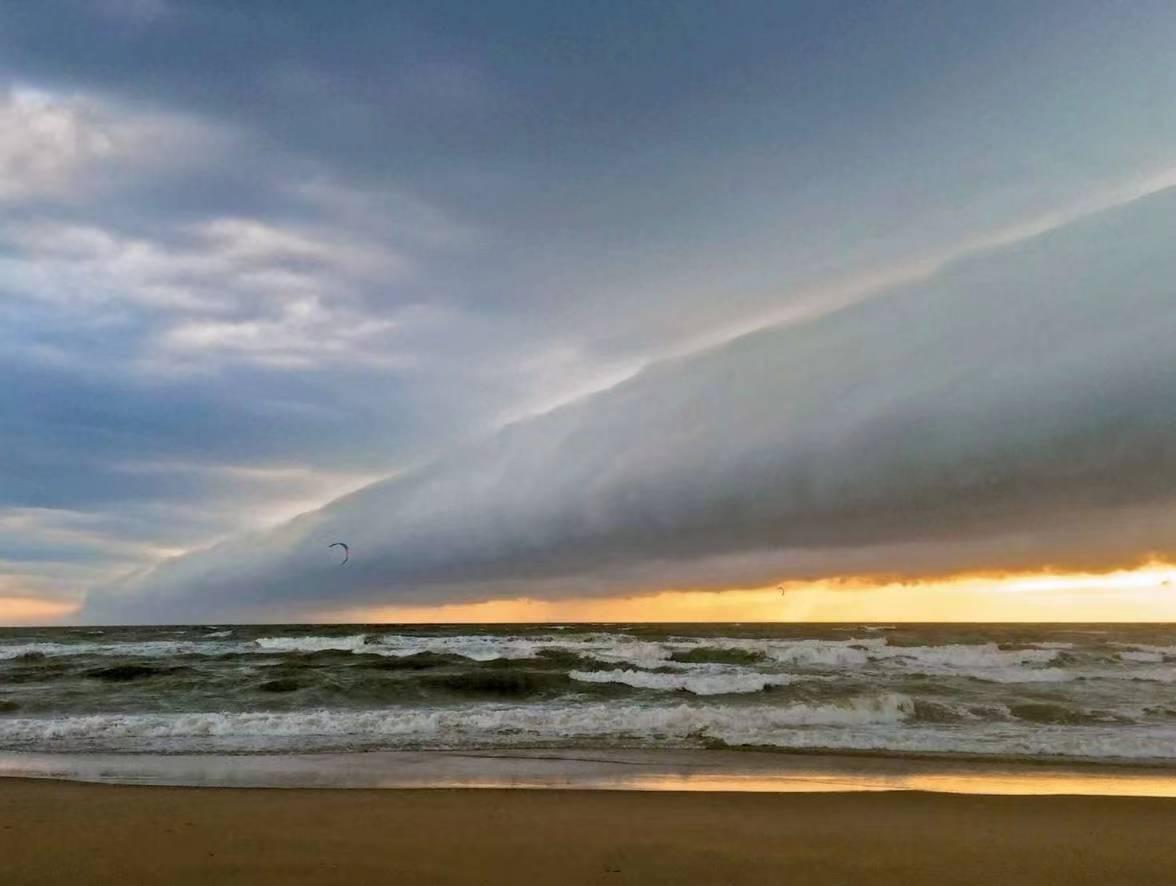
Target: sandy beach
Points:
(62, 832)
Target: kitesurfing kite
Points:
(346, 550)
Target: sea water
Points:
(1062, 692)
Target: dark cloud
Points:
(631, 156)
(243, 247)
(1029, 391)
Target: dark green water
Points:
(1076, 691)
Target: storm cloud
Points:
(1020, 404)
(609, 296)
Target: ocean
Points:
(1058, 692)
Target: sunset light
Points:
(1146, 593)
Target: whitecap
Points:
(709, 682)
(452, 726)
(1141, 656)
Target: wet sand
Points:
(602, 769)
(63, 832)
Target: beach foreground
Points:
(57, 832)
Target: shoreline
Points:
(56, 832)
(588, 769)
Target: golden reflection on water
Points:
(1029, 783)
(697, 771)
(1010, 783)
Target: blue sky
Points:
(253, 257)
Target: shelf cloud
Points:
(1017, 407)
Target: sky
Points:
(605, 310)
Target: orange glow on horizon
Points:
(33, 610)
(1145, 593)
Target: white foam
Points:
(985, 660)
(1147, 647)
(352, 643)
(1142, 656)
(19, 649)
(707, 682)
(147, 648)
(610, 648)
(452, 726)
(971, 657)
(1148, 674)
(1013, 674)
(1036, 740)
(982, 661)
(820, 654)
(880, 722)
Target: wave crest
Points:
(728, 682)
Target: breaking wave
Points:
(698, 683)
(1142, 655)
(966, 689)
(485, 725)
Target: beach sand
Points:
(62, 832)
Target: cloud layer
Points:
(254, 257)
(1019, 404)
